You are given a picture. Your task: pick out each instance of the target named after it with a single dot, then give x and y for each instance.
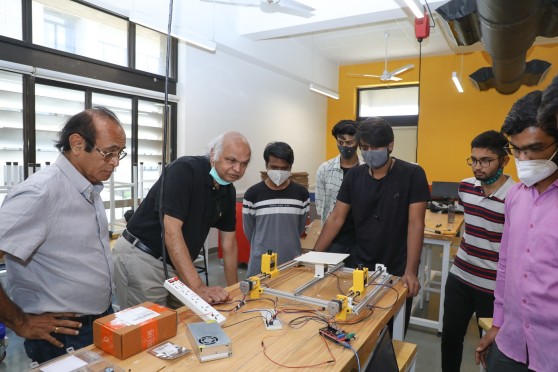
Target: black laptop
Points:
(383, 357)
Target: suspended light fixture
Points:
(326, 92)
(416, 7)
(457, 82)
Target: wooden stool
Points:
(406, 355)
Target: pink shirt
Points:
(526, 295)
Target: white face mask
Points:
(532, 171)
(278, 176)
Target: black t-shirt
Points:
(380, 210)
(346, 235)
(190, 196)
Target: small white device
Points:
(193, 301)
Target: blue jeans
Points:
(41, 351)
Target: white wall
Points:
(259, 88)
(221, 92)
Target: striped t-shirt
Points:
(274, 220)
(477, 258)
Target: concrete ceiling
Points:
(348, 31)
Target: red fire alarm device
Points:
(422, 27)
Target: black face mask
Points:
(346, 151)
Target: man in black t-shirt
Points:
(387, 198)
(198, 194)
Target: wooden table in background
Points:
(437, 221)
(289, 346)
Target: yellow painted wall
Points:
(448, 120)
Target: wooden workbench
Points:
(289, 346)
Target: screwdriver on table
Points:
(438, 231)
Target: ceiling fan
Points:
(387, 75)
(292, 7)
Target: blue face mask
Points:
(219, 180)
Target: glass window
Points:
(75, 28)
(385, 102)
(11, 131)
(399, 106)
(10, 19)
(53, 107)
(151, 47)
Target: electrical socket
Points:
(193, 301)
(271, 325)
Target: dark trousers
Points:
(498, 362)
(459, 305)
(41, 351)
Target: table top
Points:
(439, 221)
(300, 346)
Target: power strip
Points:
(193, 301)
(270, 323)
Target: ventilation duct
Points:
(507, 29)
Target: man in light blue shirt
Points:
(54, 232)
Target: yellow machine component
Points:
(344, 302)
(269, 264)
(256, 289)
(360, 280)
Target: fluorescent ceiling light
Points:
(416, 7)
(188, 37)
(326, 92)
(456, 82)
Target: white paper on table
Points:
(70, 363)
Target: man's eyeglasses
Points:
(108, 156)
(527, 150)
(484, 162)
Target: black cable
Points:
(242, 321)
(419, 84)
(165, 133)
(433, 25)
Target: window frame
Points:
(394, 120)
(26, 53)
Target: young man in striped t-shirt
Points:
(471, 281)
(274, 211)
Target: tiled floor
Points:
(428, 357)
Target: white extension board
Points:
(193, 301)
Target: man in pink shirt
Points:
(524, 334)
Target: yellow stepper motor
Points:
(269, 264)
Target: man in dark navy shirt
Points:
(198, 194)
(387, 198)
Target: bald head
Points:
(230, 154)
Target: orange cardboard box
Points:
(132, 330)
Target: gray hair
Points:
(215, 145)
